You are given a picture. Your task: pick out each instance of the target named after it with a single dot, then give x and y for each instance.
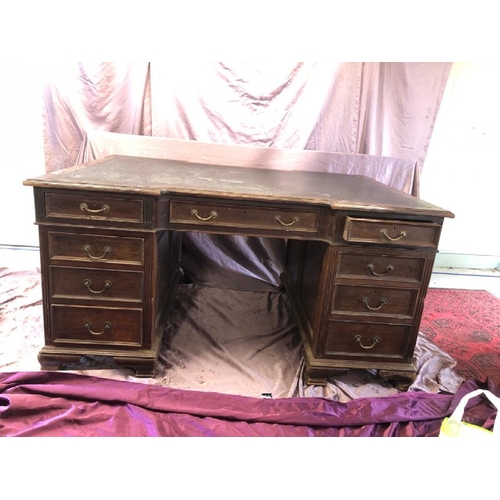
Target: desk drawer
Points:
(96, 284)
(93, 325)
(94, 207)
(374, 301)
(392, 232)
(380, 267)
(96, 248)
(222, 215)
(367, 340)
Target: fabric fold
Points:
(63, 404)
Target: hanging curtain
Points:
(384, 109)
(79, 97)
(399, 103)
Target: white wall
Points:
(462, 168)
(21, 151)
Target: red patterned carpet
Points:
(466, 325)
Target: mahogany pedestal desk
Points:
(360, 256)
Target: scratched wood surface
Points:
(158, 176)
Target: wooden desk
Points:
(360, 256)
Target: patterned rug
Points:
(466, 325)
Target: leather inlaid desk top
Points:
(149, 176)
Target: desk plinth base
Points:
(317, 372)
(142, 363)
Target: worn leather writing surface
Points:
(157, 176)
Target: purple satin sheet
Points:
(65, 404)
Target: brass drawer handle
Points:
(85, 208)
(88, 326)
(383, 232)
(87, 283)
(389, 269)
(278, 219)
(213, 215)
(87, 250)
(375, 341)
(366, 303)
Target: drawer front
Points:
(94, 207)
(96, 284)
(374, 301)
(96, 248)
(208, 214)
(92, 325)
(380, 267)
(392, 232)
(366, 340)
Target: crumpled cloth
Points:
(67, 404)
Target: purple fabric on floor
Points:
(65, 404)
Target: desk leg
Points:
(306, 282)
(141, 363)
(402, 380)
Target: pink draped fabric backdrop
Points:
(386, 108)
